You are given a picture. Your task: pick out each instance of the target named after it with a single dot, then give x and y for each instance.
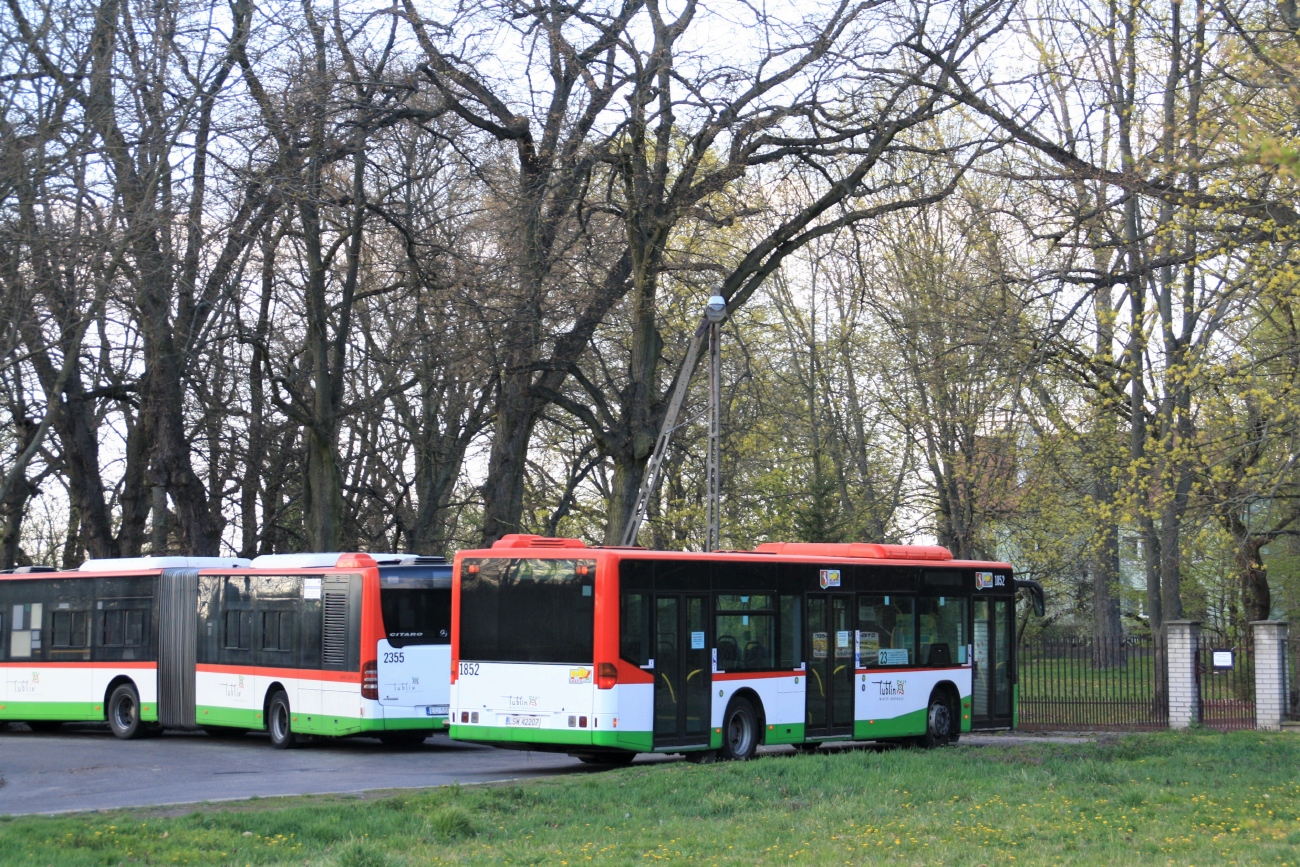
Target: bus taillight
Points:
(370, 680)
(606, 675)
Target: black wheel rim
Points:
(124, 712)
(738, 733)
(940, 720)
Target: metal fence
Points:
(1291, 675)
(1078, 683)
(1225, 677)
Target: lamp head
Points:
(716, 309)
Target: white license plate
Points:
(531, 722)
(435, 710)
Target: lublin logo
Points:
(830, 578)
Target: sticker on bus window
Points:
(830, 578)
(819, 645)
(580, 675)
(311, 588)
(842, 648)
(870, 642)
(697, 641)
(892, 656)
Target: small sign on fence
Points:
(1221, 658)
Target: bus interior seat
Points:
(940, 654)
(756, 656)
(728, 653)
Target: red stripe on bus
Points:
(298, 673)
(747, 675)
(910, 670)
(40, 663)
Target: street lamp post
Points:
(715, 312)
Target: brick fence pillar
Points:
(1270, 673)
(1182, 639)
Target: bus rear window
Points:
(416, 608)
(527, 610)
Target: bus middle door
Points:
(829, 683)
(683, 670)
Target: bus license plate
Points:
(532, 722)
(436, 710)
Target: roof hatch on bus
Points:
(859, 550)
(323, 560)
(524, 540)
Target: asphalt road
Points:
(83, 767)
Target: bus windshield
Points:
(527, 610)
(416, 607)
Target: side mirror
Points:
(1036, 595)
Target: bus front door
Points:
(991, 677)
(683, 670)
(829, 684)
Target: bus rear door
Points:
(683, 666)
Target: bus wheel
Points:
(739, 730)
(124, 713)
(278, 722)
(939, 722)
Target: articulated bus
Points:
(293, 644)
(604, 653)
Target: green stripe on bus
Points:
(68, 711)
(906, 725)
(414, 723)
(781, 733)
(307, 724)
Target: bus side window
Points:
(277, 630)
(887, 625)
(238, 630)
(69, 630)
(634, 626)
(25, 631)
(791, 632)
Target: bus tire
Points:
(279, 722)
(123, 713)
(939, 721)
(739, 730)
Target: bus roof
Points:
(918, 554)
(136, 564)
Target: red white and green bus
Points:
(292, 644)
(604, 653)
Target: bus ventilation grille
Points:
(334, 638)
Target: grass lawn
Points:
(1200, 798)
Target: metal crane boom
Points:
(713, 317)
